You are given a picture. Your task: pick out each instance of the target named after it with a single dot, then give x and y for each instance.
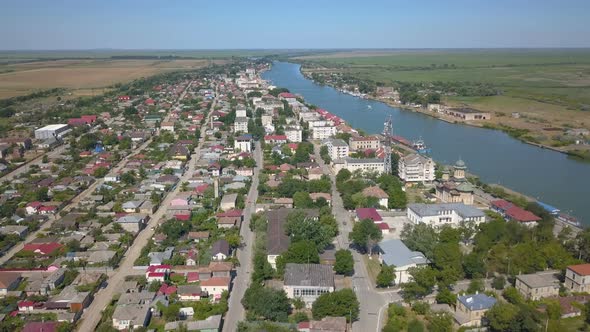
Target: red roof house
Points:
(42, 248)
(368, 213)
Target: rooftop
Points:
(427, 210)
(477, 301)
(536, 280)
(316, 275)
(394, 252)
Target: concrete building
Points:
(416, 168)
(337, 148)
(362, 143)
(364, 165)
(294, 133)
(323, 132)
(308, 281)
(395, 253)
(536, 286)
(228, 201)
(577, 278)
(243, 143)
(437, 215)
(471, 309)
(211, 324)
(53, 130)
(241, 124)
(468, 114)
(133, 316)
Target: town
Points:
(211, 200)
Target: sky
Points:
(256, 24)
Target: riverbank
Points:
(580, 152)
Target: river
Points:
(549, 176)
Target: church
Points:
(456, 188)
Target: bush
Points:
(420, 308)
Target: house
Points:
(69, 299)
(220, 250)
(26, 306)
(437, 215)
(215, 286)
(167, 126)
(186, 312)
(368, 213)
(327, 197)
(133, 222)
(315, 174)
(326, 324)
(378, 193)
(41, 327)
(9, 281)
(190, 293)
(577, 278)
(536, 286)
(416, 168)
(157, 258)
(394, 252)
(512, 212)
(198, 236)
(275, 139)
(211, 324)
(470, 309)
(230, 218)
(42, 249)
(132, 316)
(131, 206)
(112, 178)
(228, 202)
(14, 229)
(308, 281)
(285, 202)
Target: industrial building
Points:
(53, 130)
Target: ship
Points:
(420, 147)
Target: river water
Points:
(549, 176)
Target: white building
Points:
(243, 143)
(53, 130)
(416, 168)
(364, 165)
(308, 281)
(294, 134)
(394, 252)
(266, 120)
(324, 132)
(241, 124)
(337, 148)
(241, 113)
(437, 215)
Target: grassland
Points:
(82, 76)
(549, 87)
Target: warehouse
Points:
(54, 130)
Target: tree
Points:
(100, 172)
(420, 237)
(446, 296)
(499, 282)
(415, 326)
(299, 252)
(302, 200)
(512, 295)
(386, 276)
(267, 303)
(343, 175)
(364, 234)
(342, 303)
(500, 316)
(440, 322)
(344, 262)
(301, 228)
(422, 284)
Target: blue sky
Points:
(175, 24)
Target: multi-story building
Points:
(53, 130)
(241, 124)
(472, 308)
(364, 165)
(364, 143)
(323, 132)
(437, 215)
(416, 168)
(308, 281)
(243, 143)
(536, 286)
(337, 148)
(577, 278)
(294, 133)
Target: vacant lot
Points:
(23, 78)
(548, 87)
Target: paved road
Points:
(91, 315)
(373, 303)
(241, 282)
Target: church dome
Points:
(460, 164)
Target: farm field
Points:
(23, 78)
(548, 87)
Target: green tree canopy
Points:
(344, 262)
(342, 303)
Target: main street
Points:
(91, 315)
(241, 282)
(372, 302)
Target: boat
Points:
(571, 220)
(369, 107)
(420, 147)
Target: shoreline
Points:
(424, 111)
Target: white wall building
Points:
(337, 148)
(437, 215)
(243, 143)
(364, 165)
(416, 168)
(241, 124)
(394, 252)
(53, 130)
(321, 133)
(294, 134)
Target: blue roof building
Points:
(471, 309)
(395, 253)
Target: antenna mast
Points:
(388, 133)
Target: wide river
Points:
(495, 157)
